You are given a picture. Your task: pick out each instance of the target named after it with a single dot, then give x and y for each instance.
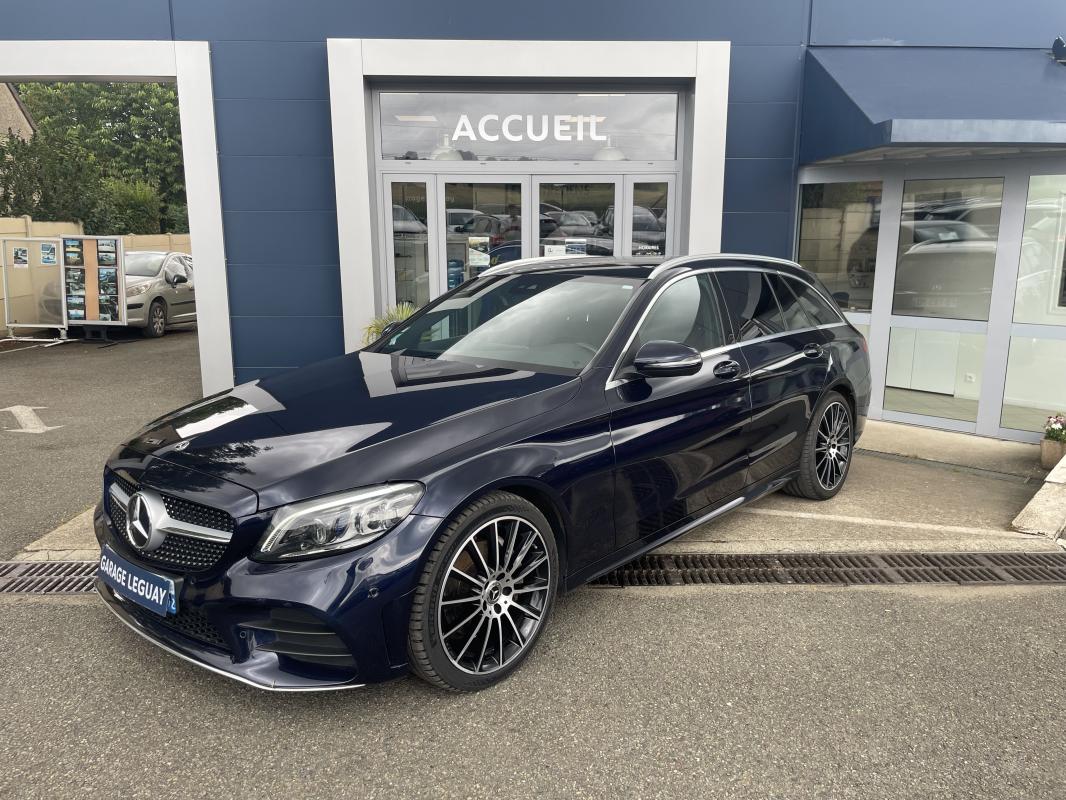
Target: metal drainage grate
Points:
(843, 569)
(46, 577)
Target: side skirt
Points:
(628, 553)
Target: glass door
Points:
(410, 235)
(577, 216)
(485, 222)
(649, 228)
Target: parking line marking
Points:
(884, 523)
(27, 419)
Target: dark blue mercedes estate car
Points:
(420, 504)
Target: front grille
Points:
(197, 514)
(184, 553)
(189, 622)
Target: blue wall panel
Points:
(258, 237)
(759, 184)
(278, 183)
(276, 290)
(270, 70)
(750, 22)
(273, 128)
(761, 130)
(285, 341)
(765, 233)
(765, 73)
(77, 19)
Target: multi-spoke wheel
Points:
(833, 445)
(486, 593)
(827, 448)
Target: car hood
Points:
(351, 421)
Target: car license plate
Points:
(137, 585)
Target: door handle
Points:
(812, 350)
(726, 369)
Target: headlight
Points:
(136, 289)
(337, 522)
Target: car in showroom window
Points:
(419, 505)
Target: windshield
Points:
(552, 322)
(143, 265)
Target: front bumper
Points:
(337, 622)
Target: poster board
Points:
(32, 283)
(94, 280)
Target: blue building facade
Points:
(275, 139)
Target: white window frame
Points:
(188, 65)
(355, 63)
(1000, 326)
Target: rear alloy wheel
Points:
(485, 596)
(827, 450)
(157, 320)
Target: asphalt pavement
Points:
(733, 692)
(90, 397)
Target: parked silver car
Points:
(159, 291)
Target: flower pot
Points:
(1051, 453)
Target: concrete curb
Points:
(1045, 514)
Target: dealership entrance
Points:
(468, 180)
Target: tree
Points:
(126, 207)
(132, 131)
(48, 177)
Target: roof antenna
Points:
(1058, 50)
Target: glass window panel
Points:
(791, 311)
(576, 218)
(1041, 296)
(484, 227)
(753, 306)
(813, 303)
(528, 126)
(934, 373)
(649, 218)
(838, 238)
(947, 248)
(687, 313)
(1036, 383)
(410, 243)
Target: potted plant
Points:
(378, 325)
(1053, 447)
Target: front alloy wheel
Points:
(488, 588)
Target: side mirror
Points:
(667, 359)
(178, 278)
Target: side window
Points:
(687, 313)
(752, 305)
(791, 310)
(813, 303)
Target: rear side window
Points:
(813, 303)
(791, 310)
(750, 302)
(685, 312)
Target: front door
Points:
(679, 442)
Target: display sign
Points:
(32, 283)
(528, 126)
(94, 280)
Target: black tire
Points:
(434, 633)
(827, 450)
(157, 320)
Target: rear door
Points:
(787, 360)
(679, 441)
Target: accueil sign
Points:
(529, 127)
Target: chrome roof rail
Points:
(680, 261)
(525, 262)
